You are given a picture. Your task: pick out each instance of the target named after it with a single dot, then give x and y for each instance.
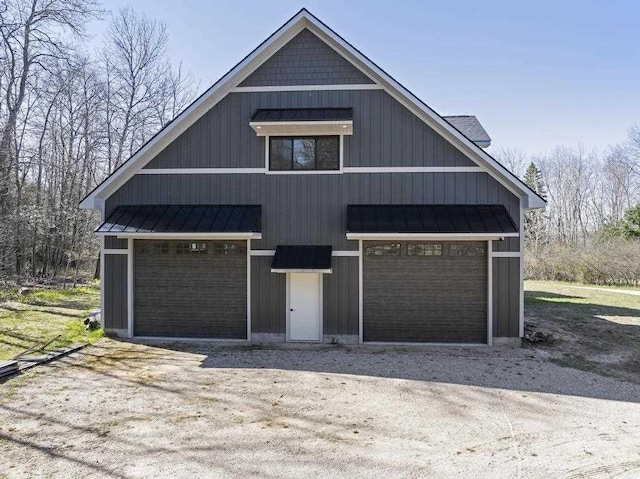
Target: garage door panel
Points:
(440, 296)
(190, 294)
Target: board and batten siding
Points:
(113, 242)
(306, 60)
(311, 209)
(115, 289)
(506, 297)
(385, 133)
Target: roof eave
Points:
(304, 19)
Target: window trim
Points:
(269, 171)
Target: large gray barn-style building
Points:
(308, 196)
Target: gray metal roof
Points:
(302, 257)
(183, 219)
(429, 219)
(303, 114)
(470, 127)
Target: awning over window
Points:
(385, 221)
(302, 121)
(208, 221)
(304, 259)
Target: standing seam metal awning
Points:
(307, 258)
(198, 220)
(430, 219)
(302, 121)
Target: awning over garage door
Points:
(383, 221)
(202, 221)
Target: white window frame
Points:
(339, 171)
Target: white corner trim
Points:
(130, 291)
(102, 278)
(248, 290)
(360, 294)
(507, 254)
(490, 293)
(430, 236)
(346, 86)
(114, 251)
(522, 236)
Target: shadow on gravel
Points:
(517, 369)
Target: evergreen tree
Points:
(630, 225)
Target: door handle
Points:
(291, 309)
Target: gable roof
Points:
(470, 127)
(225, 85)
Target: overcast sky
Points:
(536, 75)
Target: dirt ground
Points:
(120, 409)
(594, 329)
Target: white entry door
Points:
(305, 306)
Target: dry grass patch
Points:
(42, 315)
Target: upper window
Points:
(304, 153)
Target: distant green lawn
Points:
(44, 314)
(567, 294)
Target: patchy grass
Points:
(593, 330)
(42, 315)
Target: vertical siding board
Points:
(514, 297)
(385, 133)
(115, 278)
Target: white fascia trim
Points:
(413, 169)
(285, 270)
(430, 236)
(263, 89)
(209, 236)
(255, 124)
(420, 109)
(263, 252)
(115, 251)
(302, 128)
(271, 252)
(507, 254)
(196, 110)
(353, 253)
(241, 71)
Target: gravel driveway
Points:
(120, 409)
